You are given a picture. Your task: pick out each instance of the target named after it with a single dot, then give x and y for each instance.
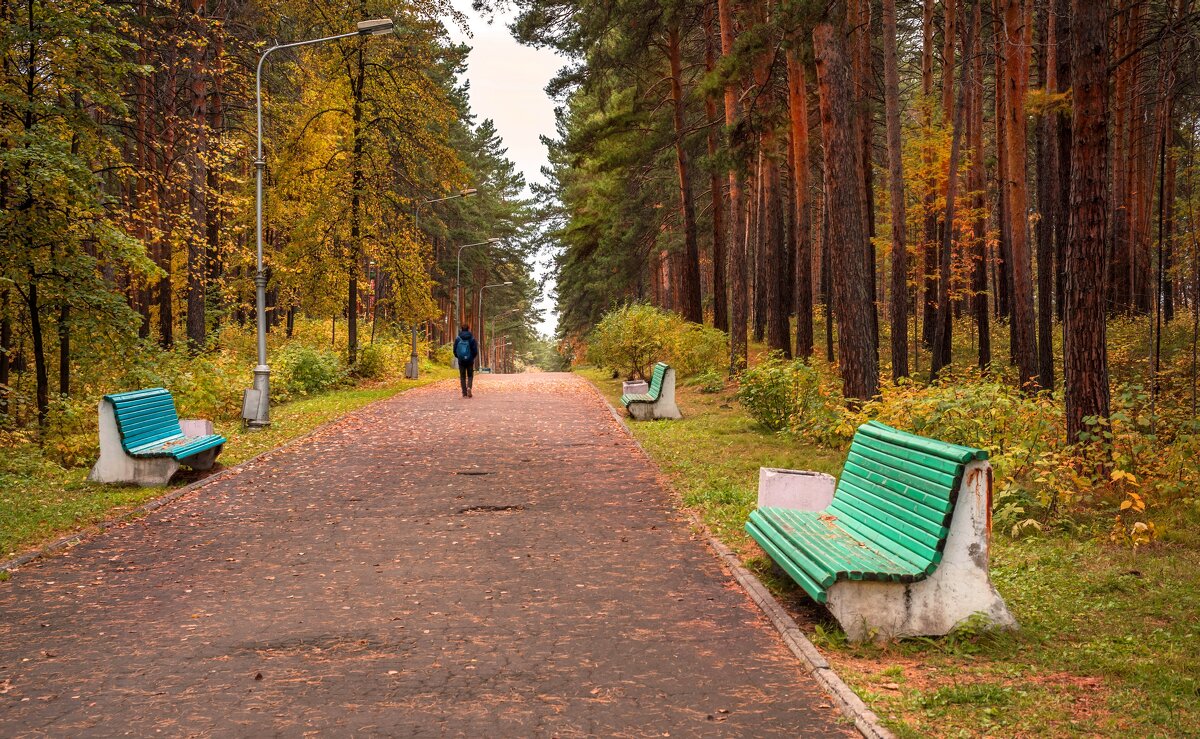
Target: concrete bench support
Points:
(664, 407)
(957, 590)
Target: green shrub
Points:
(796, 397)
(697, 348)
(444, 356)
(766, 391)
(710, 381)
(629, 340)
(304, 371)
(372, 362)
(70, 436)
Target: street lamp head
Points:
(468, 192)
(494, 241)
(375, 27)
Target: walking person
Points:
(466, 349)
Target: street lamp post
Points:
(458, 289)
(495, 318)
(458, 279)
(481, 327)
(256, 402)
(413, 370)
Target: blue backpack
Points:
(462, 349)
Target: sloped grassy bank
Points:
(1109, 639)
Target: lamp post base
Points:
(413, 370)
(256, 403)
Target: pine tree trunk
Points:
(216, 121)
(929, 238)
(64, 350)
(859, 29)
(1085, 353)
(1121, 264)
(978, 184)
(197, 197)
(756, 239)
(891, 98)
(41, 380)
(798, 111)
(6, 347)
(1004, 239)
(1168, 229)
(689, 277)
(942, 336)
(1016, 83)
(843, 166)
(1047, 197)
(736, 271)
(720, 285)
(357, 179)
(1062, 36)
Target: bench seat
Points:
(179, 448)
(892, 520)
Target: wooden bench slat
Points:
(921, 464)
(929, 505)
(815, 567)
(841, 550)
(933, 482)
(927, 531)
(798, 575)
(955, 452)
(876, 530)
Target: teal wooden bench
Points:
(902, 548)
(659, 402)
(142, 440)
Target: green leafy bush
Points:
(372, 362)
(444, 356)
(710, 381)
(766, 391)
(696, 348)
(629, 340)
(793, 396)
(304, 371)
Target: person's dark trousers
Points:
(466, 376)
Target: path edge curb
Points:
(93, 530)
(851, 705)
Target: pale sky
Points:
(508, 83)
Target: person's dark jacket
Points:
(468, 337)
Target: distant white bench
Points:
(143, 442)
(659, 401)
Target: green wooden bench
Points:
(142, 440)
(659, 402)
(906, 510)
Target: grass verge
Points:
(41, 501)
(1109, 638)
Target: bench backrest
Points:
(898, 491)
(145, 416)
(656, 380)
